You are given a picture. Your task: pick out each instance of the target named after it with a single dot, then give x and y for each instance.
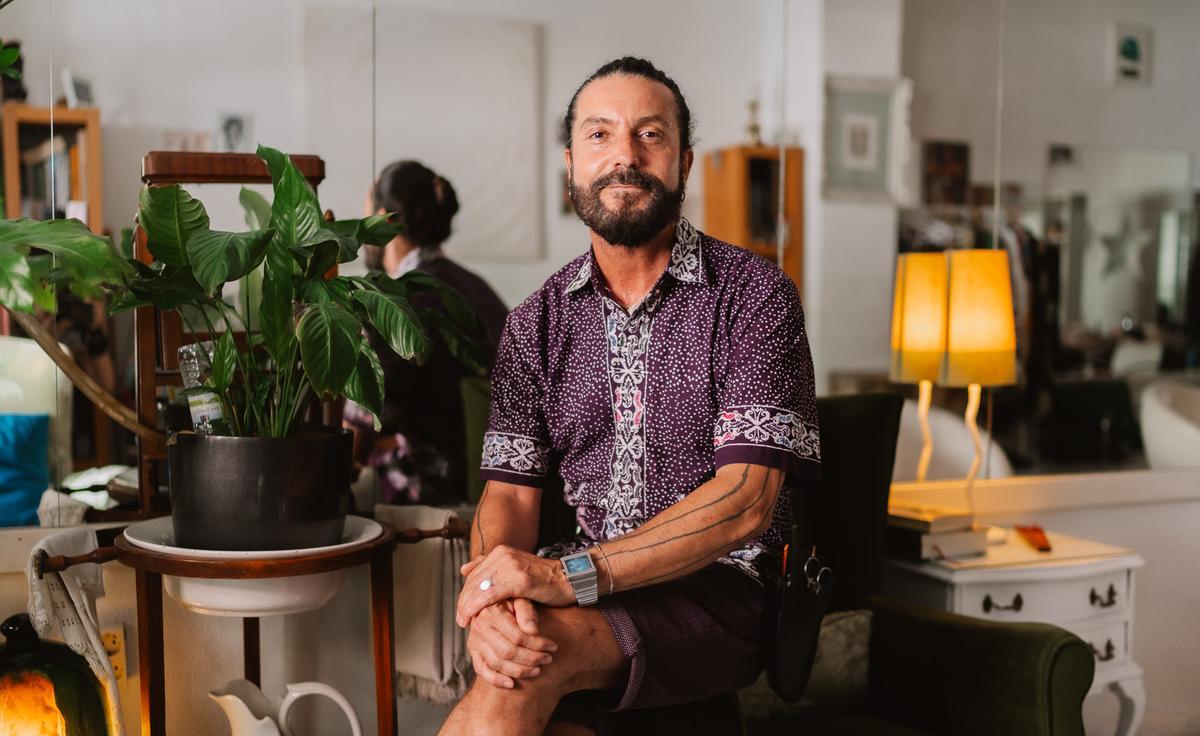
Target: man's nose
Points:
(625, 153)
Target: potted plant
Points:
(272, 482)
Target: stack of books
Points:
(919, 533)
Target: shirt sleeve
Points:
(768, 413)
(516, 447)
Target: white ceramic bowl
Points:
(253, 597)
(258, 597)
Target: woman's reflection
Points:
(418, 454)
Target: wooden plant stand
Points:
(150, 566)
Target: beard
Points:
(628, 227)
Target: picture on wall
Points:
(1132, 50)
(945, 172)
(866, 138)
(235, 133)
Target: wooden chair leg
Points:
(382, 616)
(251, 651)
(150, 652)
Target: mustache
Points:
(630, 177)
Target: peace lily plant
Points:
(308, 342)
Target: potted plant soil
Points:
(252, 476)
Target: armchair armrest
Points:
(950, 674)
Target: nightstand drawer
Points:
(1109, 642)
(1048, 600)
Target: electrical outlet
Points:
(113, 639)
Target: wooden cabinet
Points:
(741, 202)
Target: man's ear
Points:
(567, 158)
(689, 157)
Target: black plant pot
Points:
(260, 493)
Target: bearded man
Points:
(665, 378)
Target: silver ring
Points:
(485, 583)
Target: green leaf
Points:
(16, 283)
(320, 251)
(329, 344)
(9, 54)
(169, 215)
(295, 213)
(395, 321)
(11, 73)
(224, 361)
(365, 385)
(257, 208)
(275, 310)
(373, 230)
(84, 262)
(332, 291)
(218, 257)
(461, 346)
(170, 288)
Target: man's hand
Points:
(504, 644)
(511, 573)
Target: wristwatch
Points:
(581, 574)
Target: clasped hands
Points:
(497, 602)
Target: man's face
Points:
(626, 161)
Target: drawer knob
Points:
(990, 605)
(1106, 602)
(1109, 651)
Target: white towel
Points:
(431, 651)
(64, 604)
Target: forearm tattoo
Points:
(704, 555)
(479, 519)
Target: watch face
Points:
(582, 563)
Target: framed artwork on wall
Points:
(1131, 53)
(867, 143)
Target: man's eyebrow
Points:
(653, 119)
(596, 119)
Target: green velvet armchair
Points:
(929, 672)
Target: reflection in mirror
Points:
(115, 85)
(1098, 188)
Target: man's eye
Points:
(597, 135)
(651, 134)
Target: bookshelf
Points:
(26, 145)
(25, 129)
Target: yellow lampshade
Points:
(918, 317)
(981, 342)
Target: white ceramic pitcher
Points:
(251, 713)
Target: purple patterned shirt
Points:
(635, 410)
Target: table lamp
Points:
(981, 342)
(919, 333)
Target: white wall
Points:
(1056, 79)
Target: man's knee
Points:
(587, 658)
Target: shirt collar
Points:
(415, 258)
(687, 259)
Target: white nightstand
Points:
(1083, 586)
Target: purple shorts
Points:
(691, 642)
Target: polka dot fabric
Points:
(636, 409)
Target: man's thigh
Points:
(697, 638)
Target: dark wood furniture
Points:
(149, 567)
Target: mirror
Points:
(1096, 161)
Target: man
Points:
(665, 377)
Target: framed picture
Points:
(867, 144)
(1132, 48)
(77, 90)
(235, 133)
(945, 172)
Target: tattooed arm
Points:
(507, 514)
(721, 515)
